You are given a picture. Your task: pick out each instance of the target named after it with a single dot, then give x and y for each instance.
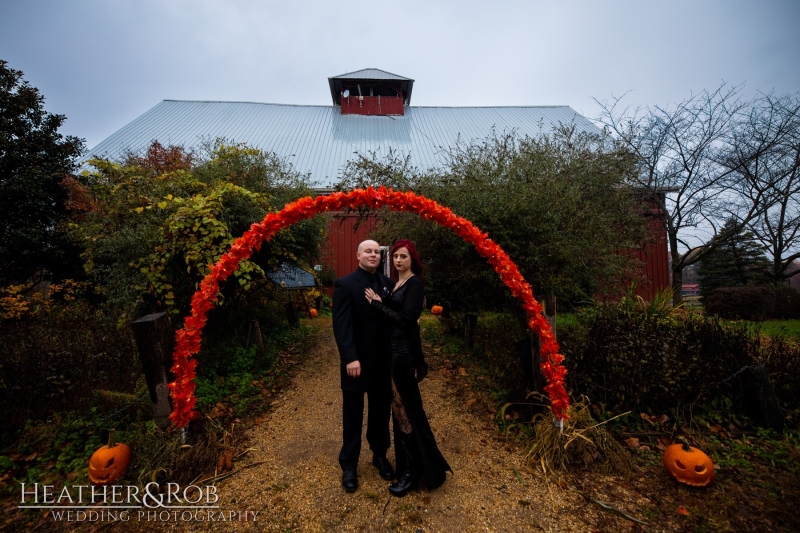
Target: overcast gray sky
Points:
(102, 63)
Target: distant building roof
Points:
(690, 289)
(320, 140)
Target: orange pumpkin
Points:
(109, 462)
(689, 465)
(436, 310)
(312, 313)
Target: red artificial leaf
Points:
(188, 340)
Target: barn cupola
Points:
(371, 92)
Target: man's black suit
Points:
(361, 335)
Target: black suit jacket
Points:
(361, 332)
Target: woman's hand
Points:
(371, 295)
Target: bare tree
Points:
(765, 160)
(679, 152)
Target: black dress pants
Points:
(379, 401)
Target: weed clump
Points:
(578, 440)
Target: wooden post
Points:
(760, 394)
(154, 340)
(255, 338)
(528, 353)
(550, 311)
(538, 380)
(305, 303)
(291, 313)
(470, 323)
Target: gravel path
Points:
(297, 487)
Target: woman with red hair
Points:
(416, 453)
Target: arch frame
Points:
(188, 338)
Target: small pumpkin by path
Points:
(109, 462)
(689, 465)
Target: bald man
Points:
(363, 341)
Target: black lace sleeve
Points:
(412, 304)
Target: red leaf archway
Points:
(188, 338)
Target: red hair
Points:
(416, 262)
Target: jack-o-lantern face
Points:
(689, 465)
(109, 462)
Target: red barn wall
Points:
(372, 105)
(654, 256)
(345, 232)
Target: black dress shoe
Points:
(349, 480)
(384, 467)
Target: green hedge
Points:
(656, 364)
(753, 303)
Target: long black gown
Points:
(403, 309)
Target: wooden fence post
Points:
(154, 340)
(291, 314)
(537, 379)
(760, 395)
(550, 311)
(254, 335)
(470, 324)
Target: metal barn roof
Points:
(320, 140)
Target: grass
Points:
(789, 329)
(786, 328)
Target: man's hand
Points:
(354, 369)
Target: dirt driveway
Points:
(297, 486)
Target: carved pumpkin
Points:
(689, 465)
(109, 462)
(436, 310)
(312, 313)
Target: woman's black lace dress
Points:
(403, 308)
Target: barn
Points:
(370, 115)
